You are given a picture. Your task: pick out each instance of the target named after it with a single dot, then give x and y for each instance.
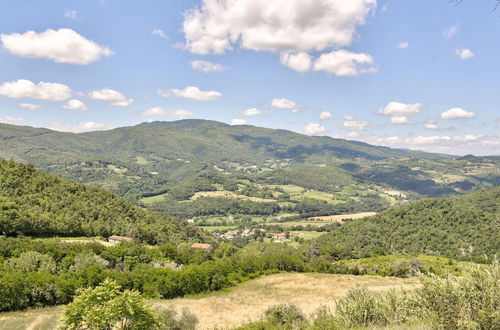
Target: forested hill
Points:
(464, 227)
(40, 204)
(154, 158)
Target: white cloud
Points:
(457, 113)
(75, 105)
(422, 140)
(30, 106)
(450, 31)
(401, 109)
(283, 103)
(464, 53)
(353, 124)
(160, 33)
(300, 62)
(403, 45)
(191, 92)
(384, 8)
(251, 112)
(11, 120)
(431, 125)
(62, 46)
(314, 129)
(353, 135)
(160, 112)
(344, 63)
(278, 26)
(156, 111)
(113, 97)
(181, 114)
(236, 122)
(23, 88)
(71, 14)
(78, 128)
(325, 115)
(400, 120)
(207, 67)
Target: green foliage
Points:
(106, 307)
(39, 204)
(287, 316)
(465, 227)
(32, 261)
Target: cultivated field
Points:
(339, 218)
(240, 304)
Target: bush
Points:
(287, 316)
(361, 308)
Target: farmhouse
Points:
(202, 246)
(118, 239)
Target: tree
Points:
(106, 307)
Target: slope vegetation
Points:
(40, 204)
(464, 227)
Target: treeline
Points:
(465, 227)
(39, 204)
(45, 272)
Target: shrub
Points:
(287, 316)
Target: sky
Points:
(420, 75)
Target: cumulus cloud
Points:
(450, 31)
(300, 62)
(314, 129)
(236, 122)
(283, 103)
(207, 67)
(191, 92)
(403, 45)
(160, 33)
(400, 120)
(279, 26)
(457, 113)
(401, 109)
(251, 112)
(23, 88)
(30, 106)
(11, 120)
(111, 96)
(464, 53)
(431, 125)
(325, 115)
(160, 112)
(62, 46)
(352, 124)
(78, 128)
(345, 63)
(75, 104)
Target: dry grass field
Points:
(248, 301)
(238, 305)
(339, 218)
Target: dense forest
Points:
(464, 227)
(39, 204)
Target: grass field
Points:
(230, 194)
(238, 305)
(307, 235)
(248, 301)
(152, 199)
(339, 218)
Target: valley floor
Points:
(243, 303)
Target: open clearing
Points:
(248, 301)
(339, 218)
(243, 303)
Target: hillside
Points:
(40, 204)
(162, 165)
(464, 227)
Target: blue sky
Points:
(412, 74)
